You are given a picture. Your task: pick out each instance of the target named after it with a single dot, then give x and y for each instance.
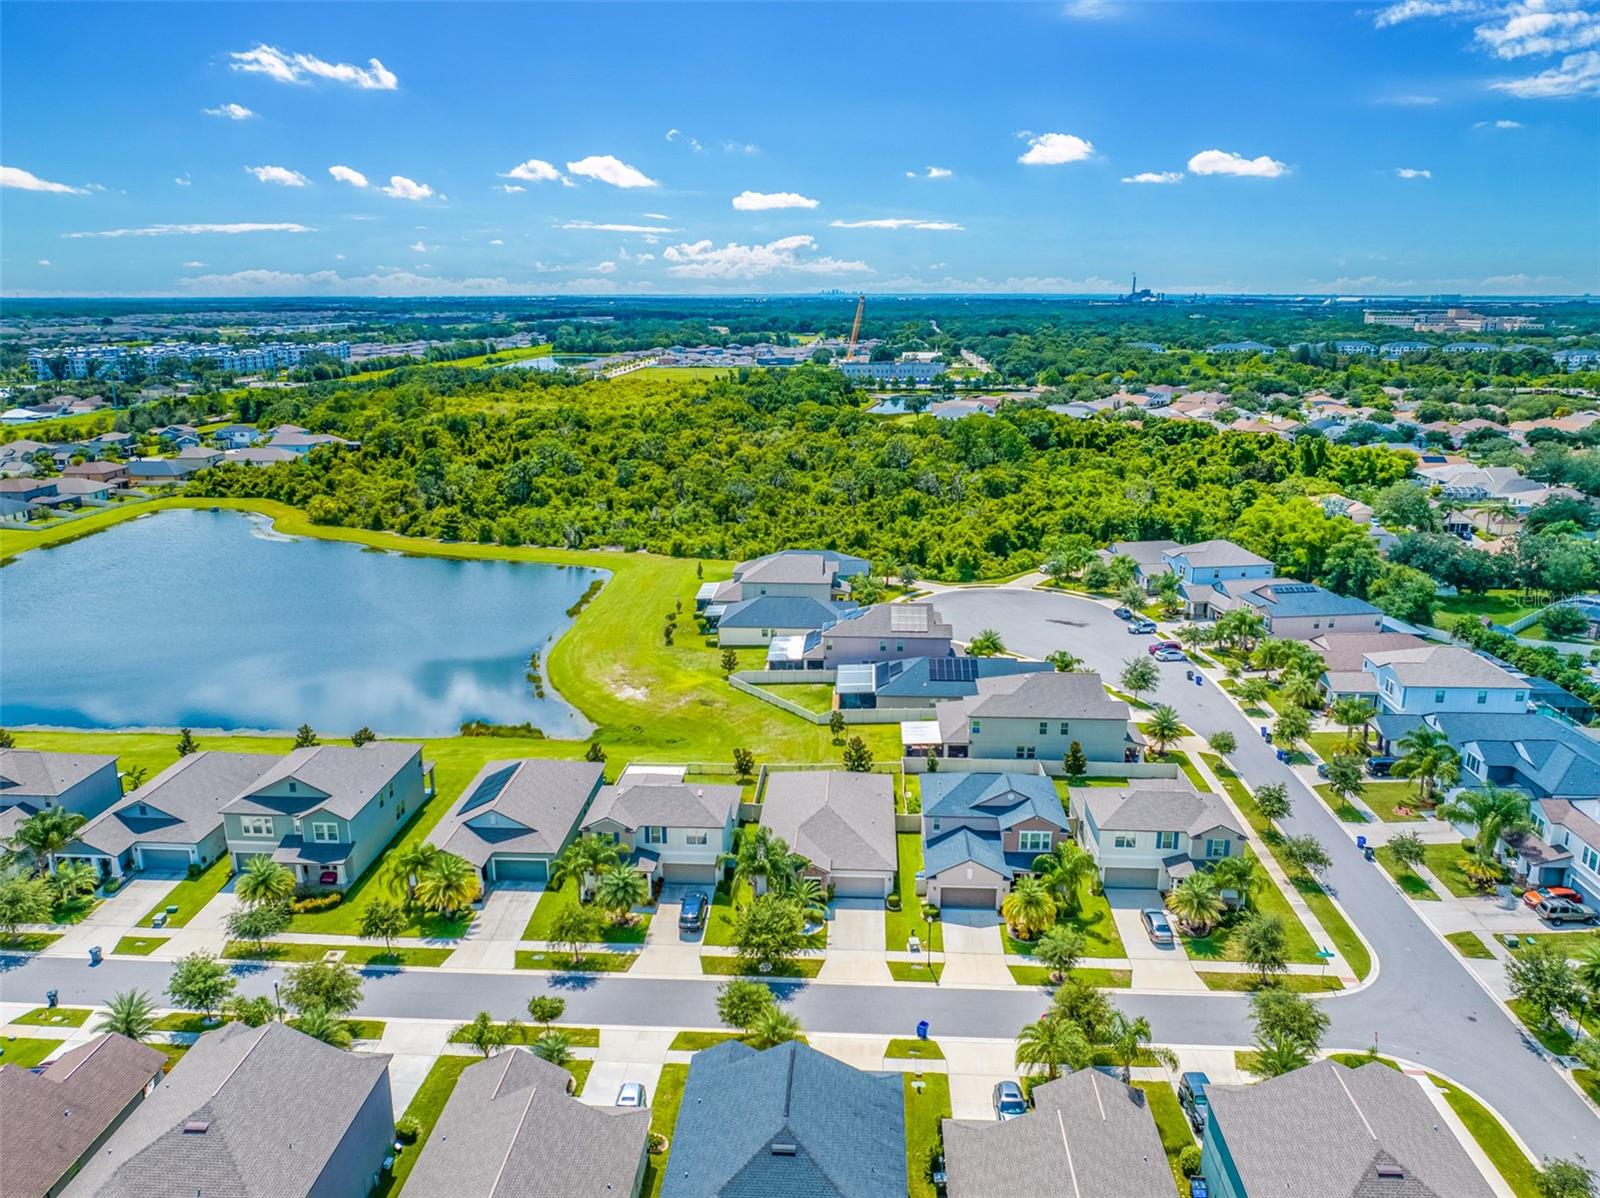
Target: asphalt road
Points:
(1423, 1006)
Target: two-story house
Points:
(1153, 832)
(1205, 567)
(820, 574)
(1298, 611)
(235, 436)
(1037, 717)
(1443, 678)
(328, 812)
(30, 781)
(1149, 558)
(675, 831)
(979, 831)
(882, 632)
(515, 817)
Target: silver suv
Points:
(1560, 910)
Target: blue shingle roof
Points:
(1007, 799)
(964, 846)
(947, 677)
(1311, 601)
(780, 611)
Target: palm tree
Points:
(130, 1013)
(315, 1022)
(1164, 728)
(987, 643)
(620, 889)
(1028, 909)
(1170, 591)
(808, 892)
(1052, 1042)
(1496, 812)
(263, 881)
(75, 878)
(46, 832)
(583, 861)
(408, 864)
(1302, 690)
(773, 1025)
(1064, 870)
(1241, 875)
(1426, 755)
(1128, 1038)
(1350, 713)
(449, 884)
(555, 1047)
(1588, 966)
(1196, 902)
(487, 1036)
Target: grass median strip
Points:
(527, 1033)
(804, 967)
(55, 1017)
(27, 1051)
(1172, 1123)
(1102, 979)
(1497, 1144)
(139, 946)
(1470, 945)
(585, 963)
(357, 955)
(1299, 983)
(1412, 884)
(914, 1050)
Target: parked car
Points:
(1379, 767)
(1171, 655)
(1566, 893)
(1559, 911)
(1008, 1101)
(692, 914)
(1123, 613)
(631, 1094)
(1322, 769)
(1192, 1094)
(1157, 926)
(1158, 646)
(1142, 627)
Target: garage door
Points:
(520, 869)
(1123, 879)
(683, 871)
(967, 896)
(863, 886)
(165, 859)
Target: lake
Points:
(214, 620)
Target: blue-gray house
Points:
(980, 830)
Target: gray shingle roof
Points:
(1158, 805)
(1344, 651)
(1323, 1132)
(1289, 598)
(837, 820)
(183, 802)
(780, 611)
(1207, 554)
(665, 804)
(789, 1122)
(1088, 1135)
(808, 568)
(27, 773)
(48, 1120)
(899, 621)
(1007, 799)
(276, 1105)
(1444, 665)
(545, 797)
(1052, 696)
(349, 777)
(965, 846)
(510, 1130)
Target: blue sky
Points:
(1425, 145)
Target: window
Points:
(1125, 840)
(883, 646)
(1166, 840)
(1044, 728)
(977, 727)
(1218, 848)
(1483, 696)
(1438, 696)
(936, 823)
(256, 825)
(1592, 860)
(1024, 752)
(695, 838)
(899, 646)
(294, 787)
(655, 835)
(322, 833)
(1033, 842)
(766, 632)
(1474, 766)
(1063, 727)
(1520, 697)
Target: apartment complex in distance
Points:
(108, 360)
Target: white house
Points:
(1443, 678)
(678, 831)
(1154, 831)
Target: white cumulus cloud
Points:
(1412, 172)
(281, 175)
(348, 174)
(402, 188)
(703, 260)
(510, 189)
(932, 172)
(183, 181)
(899, 222)
(609, 169)
(301, 68)
(1053, 149)
(1223, 162)
(1154, 177)
(232, 112)
(44, 262)
(759, 201)
(195, 229)
(15, 176)
(1411, 10)
(615, 228)
(680, 135)
(1537, 28)
(1578, 75)
(535, 170)
(1500, 124)
(194, 265)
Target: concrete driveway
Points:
(666, 949)
(974, 954)
(1155, 966)
(491, 941)
(626, 1055)
(855, 942)
(974, 1067)
(118, 915)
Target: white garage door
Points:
(1141, 879)
(860, 886)
(967, 896)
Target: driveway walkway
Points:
(116, 916)
(491, 940)
(855, 942)
(626, 1055)
(668, 951)
(974, 954)
(1155, 966)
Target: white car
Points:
(631, 1094)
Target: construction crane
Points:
(855, 329)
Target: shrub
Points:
(658, 1143)
(929, 911)
(1189, 1160)
(317, 902)
(194, 871)
(407, 1129)
(111, 886)
(892, 901)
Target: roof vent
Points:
(196, 1127)
(784, 1148)
(1391, 1171)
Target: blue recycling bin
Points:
(94, 955)
(922, 1029)
(1266, 733)
(1282, 755)
(1199, 680)
(51, 997)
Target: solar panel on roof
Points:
(489, 789)
(952, 669)
(904, 618)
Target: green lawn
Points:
(587, 962)
(139, 946)
(26, 1051)
(1355, 1060)
(1519, 1172)
(1589, 1082)
(813, 696)
(1574, 942)
(74, 910)
(184, 1021)
(28, 942)
(366, 1029)
(1344, 937)
(695, 1041)
(1328, 745)
(1300, 983)
(1104, 979)
(553, 902)
(527, 1033)
(663, 1119)
(1412, 884)
(1444, 862)
(1394, 802)
(357, 955)
(802, 967)
(927, 1105)
(426, 1107)
(1348, 812)
(899, 926)
(191, 894)
(1094, 921)
(173, 1053)
(1219, 944)
(1470, 945)
(1171, 1122)
(1554, 1037)
(913, 1050)
(1501, 606)
(55, 1017)
(916, 971)
(719, 922)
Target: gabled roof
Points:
(349, 777)
(1146, 553)
(1088, 1136)
(664, 804)
(1007, 799)
(512, 1130)
(28, 773)
(898, 621)
(1444, 666)
(544, 798)
(250, 1112)
(789, 1122)
(1048, 696)
(934, 678)
(800, 565)
(1157, 805)
(1207, 554)
(50, 1119)
(964, 845)
(180, 805)
(836, 820)
(780, 611)
(1289, 598)
(1328, 1131)
(1345, 651)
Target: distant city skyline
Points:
(1410, 148)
